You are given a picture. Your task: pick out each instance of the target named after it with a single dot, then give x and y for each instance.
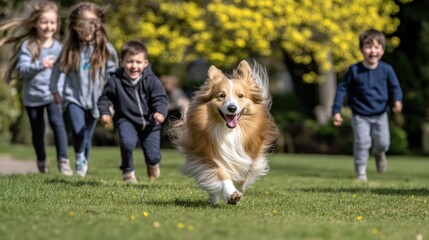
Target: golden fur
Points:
(226, 131)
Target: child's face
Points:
(134, 65)
(47, 25)
(86, 26)
(372, 52)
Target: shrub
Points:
(10, 109)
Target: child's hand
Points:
(159, 118)
(48, 62)
(105, 119)
(397, 107)
(57, 98)
(337, 119)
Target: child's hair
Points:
(72, 44)
(133, 47)
(26, 29)
(369, 36)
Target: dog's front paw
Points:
(235, 197)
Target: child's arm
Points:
(26, 67)
(397, 107)
(56, 78)
(339, 98)
(159, 98)
(159, 118)
(104, 102)
(112, 62)
(337, 119)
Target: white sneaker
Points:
(362, 178)
(129, 177)
(81, 167)
(64, 167)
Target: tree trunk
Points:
(326, 89)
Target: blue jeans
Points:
(83, 125)
(150, 141)
(366, 130)
(56, 121)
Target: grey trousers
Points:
(365, 131)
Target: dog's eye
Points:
(222, 95)
(240, 95)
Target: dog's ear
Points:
(215, 74)
(244, 69)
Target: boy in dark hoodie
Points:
(140, 105)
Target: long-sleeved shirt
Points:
(35, 90)
(369, 91)
(79, 88)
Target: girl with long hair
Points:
(86, 61)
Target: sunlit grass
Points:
(303, 197)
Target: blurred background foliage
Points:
(306, 46)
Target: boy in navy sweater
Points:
(371, 87)
(140, 105)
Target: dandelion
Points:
(190, 227)
(190, 193)
(145, 213)
(274, 211)
(156, 224)
(180, 225)
(354, 195)
(71, 214)
(359, 218)
(374, 231)
(132, 218)
(425, 201)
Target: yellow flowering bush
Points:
(324, 32)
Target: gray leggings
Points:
(366, 130)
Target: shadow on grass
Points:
(379, 191)
(186, 203)
(73, 182)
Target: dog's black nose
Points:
(232, 108)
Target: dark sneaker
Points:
(129, 177)
(153, 171)
(381, 162)
(42, 166)
(64, 167)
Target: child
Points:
(140, 105)
(34, 63)
(371, 87)
(86, 60)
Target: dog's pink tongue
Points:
(231, 121)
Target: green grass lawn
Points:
(303, 197)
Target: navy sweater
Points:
(134, 103)
(369, 92)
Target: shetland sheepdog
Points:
(226, 132)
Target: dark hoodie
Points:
(134, 103)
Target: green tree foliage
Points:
(10, 109)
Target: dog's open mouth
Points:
(231, 120)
